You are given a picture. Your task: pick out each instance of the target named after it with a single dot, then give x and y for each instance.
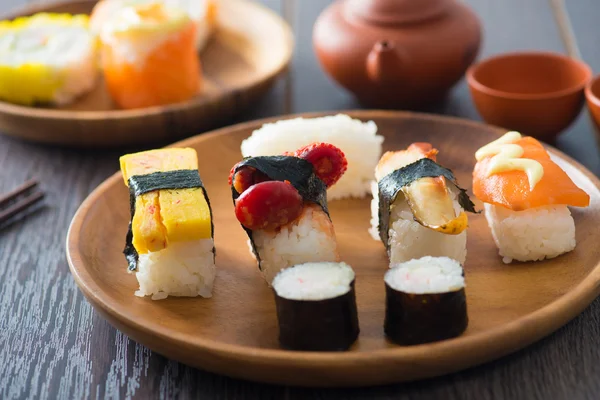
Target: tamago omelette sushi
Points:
(46, 59)
(281, 202)
(526, 197)
(418, 209)
(170, 240)
(149, 56)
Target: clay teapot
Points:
(397, 53)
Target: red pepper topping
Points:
(245, 177)
(268, 205)
(230, 179)
(328, 161)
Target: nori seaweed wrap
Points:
(168, 180)
(315, 311)
(283, 243)
(425, 301)
(391, 185)
(169, 242)
(418, 209)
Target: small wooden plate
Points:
(235, 332)
(251, 47)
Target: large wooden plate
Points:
(235, 332)
(251, 47)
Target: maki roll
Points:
(425, 301)
(281, 202)
(202, 12)
(169, 244)
(418, 209)
(316, 307)
(526, 197)
(148, 56)
(46, 59)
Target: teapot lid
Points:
(395, 12)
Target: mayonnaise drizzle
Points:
(507, 157)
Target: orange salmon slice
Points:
(170, 73)
(511, 188)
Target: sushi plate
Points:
(235, 332)
(251, 47)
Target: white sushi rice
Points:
(533, 234)
(311, 238)
(426, 275)
(409, 240)
(358, 140)
(184, 269)
(314, 281)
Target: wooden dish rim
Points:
(488, 344)
(58, 114)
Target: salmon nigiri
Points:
(149, 56)
(525, 195)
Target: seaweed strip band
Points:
(141, 184)
(299, 172)
(391, 184)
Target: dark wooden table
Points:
(53, 344)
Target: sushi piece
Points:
(526, 197)
(202, 12)
(418, 209)
(316, 307)
(148, 56)
(358, 140)
(46, 59)
(281, 202)
(425, 301)
(169, 244)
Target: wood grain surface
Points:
(53, 345)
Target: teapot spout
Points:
(385, 62)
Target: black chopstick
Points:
(22, 204)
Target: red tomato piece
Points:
(268, 205)
(328, 161)
(246, 177)
(230, 179)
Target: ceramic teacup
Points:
(536, 93)
(592, 95)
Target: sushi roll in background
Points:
(281, 202)
(148, 56)
(418, 209)
(358, 140)
(202, 12)
(526, 197)
(170, 244)
(425, 301)
(316, 307)
(47, 59)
